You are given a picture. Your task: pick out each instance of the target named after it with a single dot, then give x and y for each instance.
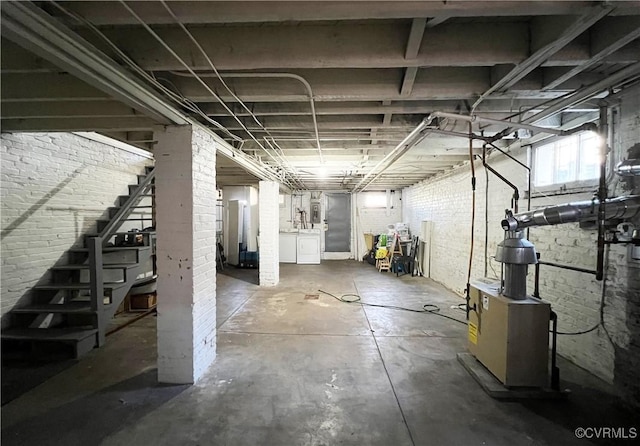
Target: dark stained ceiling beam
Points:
(415, 38)
(336, 45)
(440, 83)
(435, 21)
(577, 27)
(69, 109)
(195, 12)
(490, 106)
(102, 124)
(372, 80)
(610, 40)
(413, 47)
(409, 78)
(31, 28)
(48, 86)
(626, 74)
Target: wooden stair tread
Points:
(69, 307)
(104, 266)
(48, 334)
(76, 286)
(113, 248)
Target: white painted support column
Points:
(269, 211)
(186, 252)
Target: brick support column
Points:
(186, 252)
(269, 211)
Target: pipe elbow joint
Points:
(509, 224)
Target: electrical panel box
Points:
(509, 337)
(315, 212)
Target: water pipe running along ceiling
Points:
(319, 95)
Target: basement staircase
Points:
(70, 313)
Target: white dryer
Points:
(309, 246)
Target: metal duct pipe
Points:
(621, 207)
(296, 77)
(476, 118)
(392, 156)
(628, 168)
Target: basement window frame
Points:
(375, 200)
(573, 184)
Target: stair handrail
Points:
(96, 285)
(126, 208)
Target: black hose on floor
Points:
(351, 298)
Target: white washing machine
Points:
(309, 246)
(288, 247)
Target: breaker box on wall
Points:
(315, 212)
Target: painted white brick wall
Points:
(376, 220)
(446, 200)
(54, 188)
(186, 252)
(622, 309)
(269, 215)
(290, 220)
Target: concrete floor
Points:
(296, 371)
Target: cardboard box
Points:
(368, 240)
(143, 301)
(124, 305)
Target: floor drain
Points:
(311, 296)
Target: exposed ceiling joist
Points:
(68, 109)
(374, 70)
(71, 124)
(338, 45)
(579, 96)
(31, 28)
(409, 78)
(490, 106)
(415, 38)
(435, 21)
(579, 25)
(617, 37)
(194, 12)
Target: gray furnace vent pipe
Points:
(620, 208)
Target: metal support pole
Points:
(555, 370)
(602, 192)
(536, 280)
